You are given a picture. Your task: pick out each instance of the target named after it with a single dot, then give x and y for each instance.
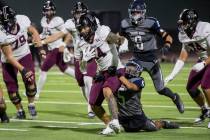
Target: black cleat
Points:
(21, 115)
(179, 104)
(204, 114)
(170, 125)
(4, 118)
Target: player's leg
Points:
(157, 77)
(88, 80)
(47, 64)
(3, 115)
(10, 79)
(30, 87)
(205, 85)
(194, 81)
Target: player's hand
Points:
(168, 79)
(67, 55)
(165, 48)
(42, 52)
(88, 54)
(199, 66)
(27, 75)
(124, 47)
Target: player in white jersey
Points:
(84, 78)
(195, 37)
(98, 42)
(14, 31)
(52, 24)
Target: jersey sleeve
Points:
(139, 82)
(70, 26)
(23, 20)
(59, 24)
(156, 27)
(3, 39)
(207, 34)
(104, 32)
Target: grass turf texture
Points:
(62, 113)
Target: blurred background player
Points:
(98, 42)
(52, 24)
(84, 77)
(141, 31)
(195, 37)
(14, 32)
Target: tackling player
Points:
(141, 31)
(13, 35)
(195, 37)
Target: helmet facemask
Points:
(49, 9)
(133, 70)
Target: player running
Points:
(52, 24)
(195, 37)
(98, 43)
(141, 31)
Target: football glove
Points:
(88, 54)
(67, 55)
(199, 66)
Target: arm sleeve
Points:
(139, 82)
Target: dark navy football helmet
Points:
(7, 18)
(187, 21)
(133, 69)
(137, 11)
(49, 6)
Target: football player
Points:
(52, 24)
(141, 31)
(131, 115)
(13, 35)
(99, 43)
(195, 37)
(84, 78)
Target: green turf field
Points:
(62, 113)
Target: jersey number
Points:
(138, 42)
(19, 42)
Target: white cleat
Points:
(209, 125)
(36, 97)
(107, 131)
(115, 125)
(24, 94)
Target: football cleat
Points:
(107, 131)
(179, 104)
(204, 114)
(4, 118)
(91, 115)
(36, 97)
(115, 125)
(21, 115)
(170, 125)
(209, 125)
(32, 111)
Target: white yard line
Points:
(11, 129)
(84, 103)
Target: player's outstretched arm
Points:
(178, 66)
(35, 35)
(128, 84)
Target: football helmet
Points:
(49, 6)
(137, 11)
(7, 18)
(78, 10)
(187, 21)
(133, 69)
(87, 26)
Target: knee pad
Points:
(194, 93)
(15, 98)
(2, 105)
(31, 90)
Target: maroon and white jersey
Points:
(55, 25)
(106, 54)
(200, 41)
(18, 41)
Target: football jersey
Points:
(128, 101)
(142, 37)
(55, 25)
(105, 53)
(200, 41)
(18, 41)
